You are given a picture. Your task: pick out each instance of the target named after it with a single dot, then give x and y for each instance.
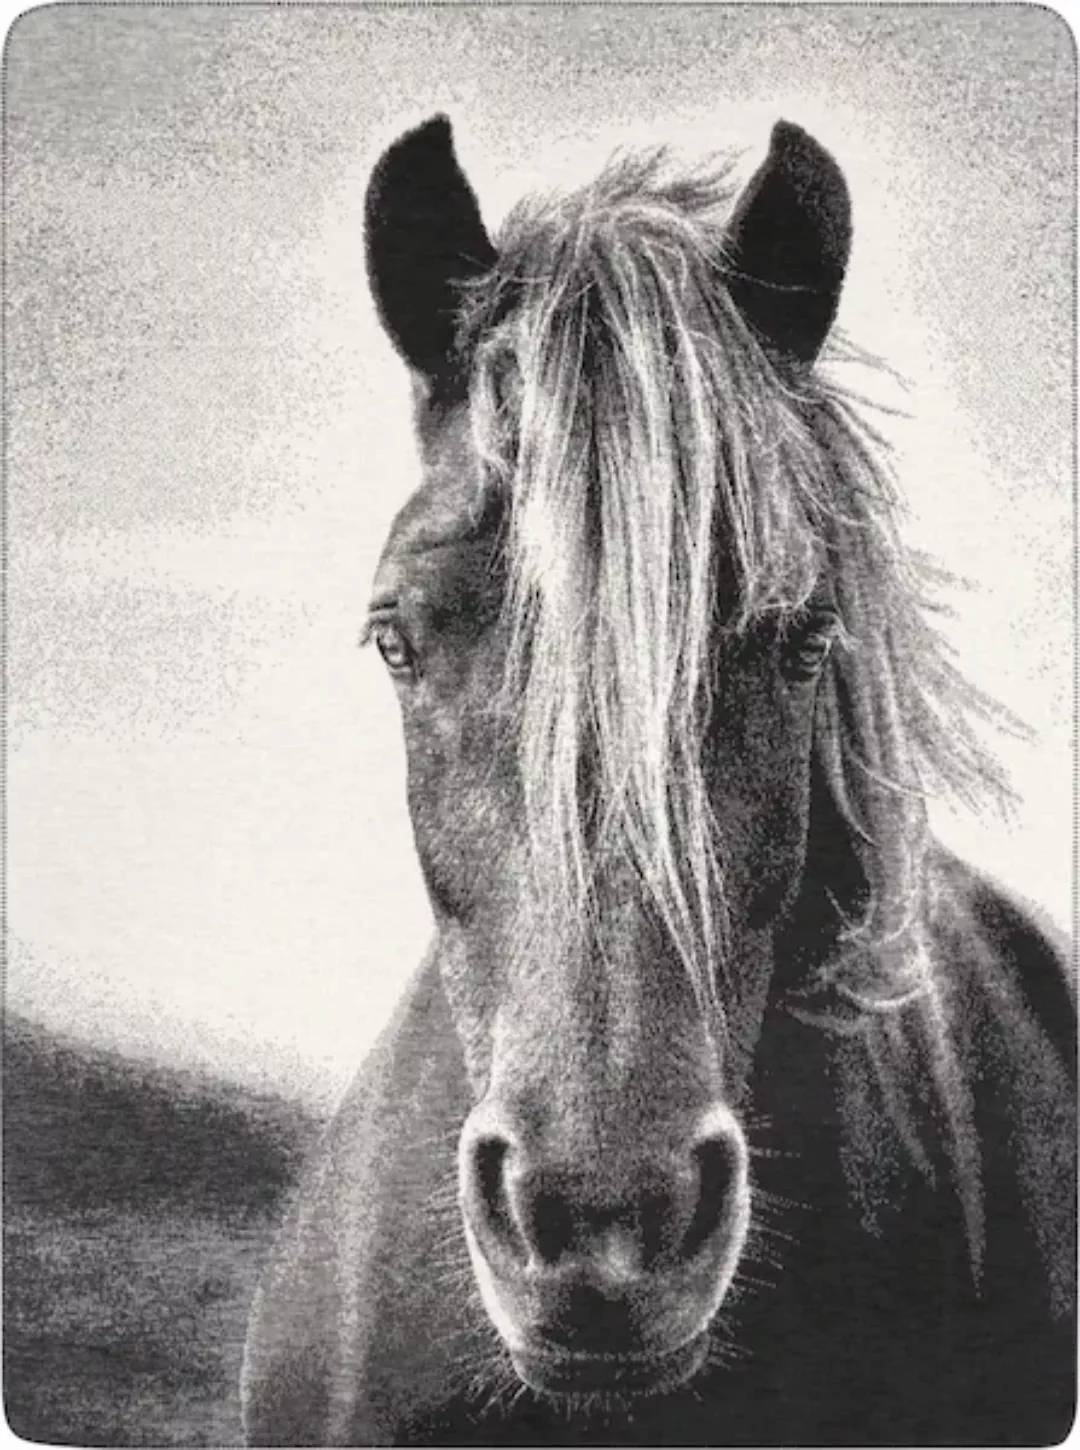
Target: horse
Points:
(727, 1107)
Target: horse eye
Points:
(808, 644)
(395, 649)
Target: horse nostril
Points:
(656, 1215)
(718, 1171)
(491, 1202)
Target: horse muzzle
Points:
(602, 1270)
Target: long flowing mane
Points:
(666, 480)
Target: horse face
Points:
(603, 1171)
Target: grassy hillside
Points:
(138, 1205)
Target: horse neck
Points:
(847, 1131)
(865, 1112)
(894, 1110)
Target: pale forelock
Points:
(664, 481)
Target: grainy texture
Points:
(211, 866)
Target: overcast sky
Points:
(210, 859)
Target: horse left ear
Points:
(424, 238)
(787, 246)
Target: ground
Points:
(138, 1206)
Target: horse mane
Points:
(664, 480)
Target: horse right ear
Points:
(787, 246)
(425, 237)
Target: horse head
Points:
(607, 612)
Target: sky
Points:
(210, 861)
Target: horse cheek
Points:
(762, 786)
(777, 858)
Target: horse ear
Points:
(787, 246)
(424, 238)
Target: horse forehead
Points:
(448, 506)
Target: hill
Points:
(138, 1206)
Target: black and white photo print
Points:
(539, 656)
